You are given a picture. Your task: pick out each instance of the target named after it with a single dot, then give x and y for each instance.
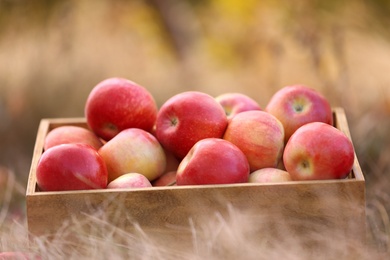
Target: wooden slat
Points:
(342, 124)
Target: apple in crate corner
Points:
(130, 180)
(71, 167)
(116, 104)
(318, 151)
(188, 117)
(234, 103)
(259, 135)
(213, 161)
(297, 105)
(268, 175)
(71, 134)
(133, 150)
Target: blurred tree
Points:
(53, 52)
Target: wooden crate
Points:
(336, 205)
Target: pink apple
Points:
(318, 151)
(71, 134)
(133, 150)
(297, 105)
(234, 103)
(167, 179)
(188, 117)
(213, 161)
(259, 135)
(71, 167)
(269, 175)
(116, 104)
(130, 180)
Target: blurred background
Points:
(52, 53)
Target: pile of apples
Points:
(194, 139)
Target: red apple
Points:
(297, 105)
(130, 180)
(167, 179)
(71, 167)
(71, 134)
(259, 135)
(213, 161)
(268, 175)
(133, 150)
(318, 151)
(116, 104)
(234, 103)
(186, 118)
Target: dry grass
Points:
(233, 236)
(52, 55)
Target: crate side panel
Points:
(275, 210)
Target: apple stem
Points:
(298, 108)
(305, 164)
(174, 121)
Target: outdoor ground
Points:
(52, 53)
